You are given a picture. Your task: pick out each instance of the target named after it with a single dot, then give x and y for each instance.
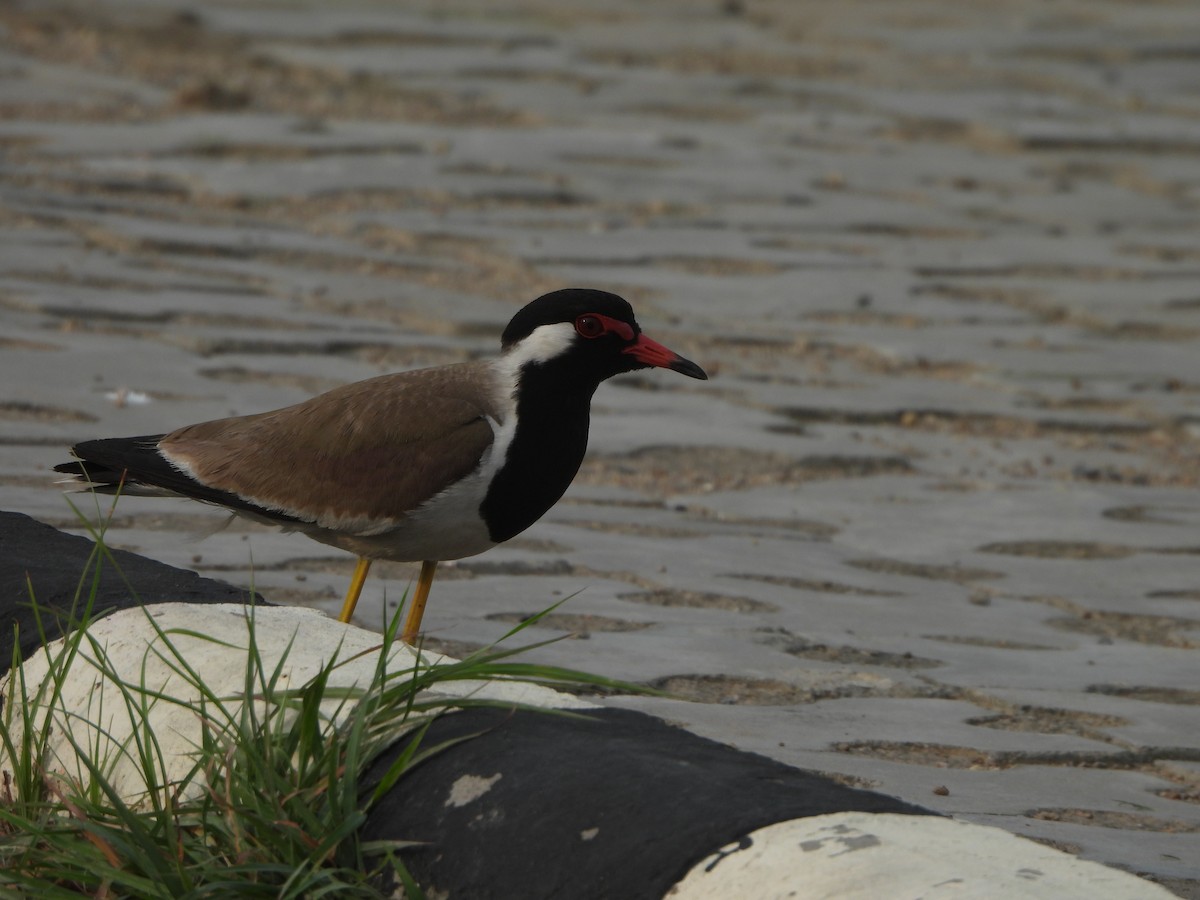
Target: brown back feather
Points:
(375, 449)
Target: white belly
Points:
(447, 526)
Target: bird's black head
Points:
(592, 333)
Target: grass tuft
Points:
(269, 801)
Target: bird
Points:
(422, 466)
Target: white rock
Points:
(869, 856)
(214, 640)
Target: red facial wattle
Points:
(642, 348)
(594, 325)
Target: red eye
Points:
(590, 326)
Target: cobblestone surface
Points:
(933, 525)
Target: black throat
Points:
(553, 403)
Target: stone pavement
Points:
(933, 525)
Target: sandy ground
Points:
(932, 526)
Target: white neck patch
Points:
(543, 344)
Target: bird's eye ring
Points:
(590, 326)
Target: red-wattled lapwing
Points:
(434, 464)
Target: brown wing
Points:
(363, 454)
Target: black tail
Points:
(109, 463)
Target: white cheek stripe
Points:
(543, 344)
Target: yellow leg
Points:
(356, 586)
(416, 609)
